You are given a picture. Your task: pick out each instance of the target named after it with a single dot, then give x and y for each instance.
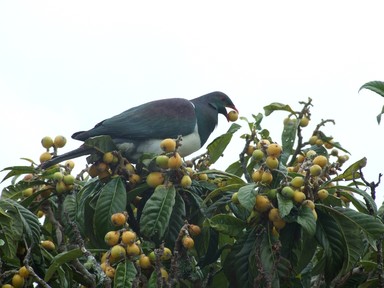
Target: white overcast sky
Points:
(66, 65)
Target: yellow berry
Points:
(154, 179)
(112, 238)
(272, 162)
(320, 160)
(186, 181)
(262, 203)
(175, 161)
(24, 272)
(133, 250)
(297, 182)
(167, 254)
(304, 121)
(45, 157)
(162, 161)
(168, 145)
(194, 230)
(274, 150)
(17, 281)
(108, 157)
(298, 196)
(322, 194)
(119, 219)
(233, 116)
(315, 170)
(47, 142)
(256, 175)
(59, 141)
(128, 237)
(145, 262)
(267, 177)
(47, 244)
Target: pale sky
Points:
(65, 66)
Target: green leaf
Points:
(157, 211)
(288, 138)
(102, 143)
(277, 107)
(125, 274)
(306, 220)
(17, 170)
(285, 205)
(176, 221)
(221, 190)
(218, 145)
(11, 229)
(352, 171)
(374, 86)
(61, 259)
(112, 199)
(269, 261)
(247, 196)
(227, 224)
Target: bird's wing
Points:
(157, 119)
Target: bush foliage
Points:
(254, 224)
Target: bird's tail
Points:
(78, 152)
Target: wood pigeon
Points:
(141, 129)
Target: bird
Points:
(140, 129)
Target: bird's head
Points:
(220, 102)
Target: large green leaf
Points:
(61, 259)
(176, 221)
(227, 224)
(269, 261)
(288, 139)
(157, 211)
(112, 199)
(124, 275)
(247, 196)
(306, 220)
(375, 86)
(218, 145)
(17, 170)
(276, 107)
(11, 229)
(285, 205)
(31, 224)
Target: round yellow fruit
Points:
(315, 170)
(69, 179)
(235, 198)
(167, 254)
(70, 164)
(322, 194)
(47, 244)
(7, 286)
(313, 139)
(263, 143)
(320, 160)
(24, 272)
(279, 224)
(272, 162)
(119, 219)
(168, 145)
(297, 182)
(17, 281)
(112, 238)
(162, 161)
(309, 203)
(164, 273)
(186, 181)
(128, 237)
(274, 214)
(310, 153)
(133, 250)
(300, 158)
(108, 157)
(274, 150)
(45, 157)
(118, 252)
(256, 175)
(188, 242)
(203, 176)
(267, 177)
(154, 179)
(298, 196)
(145, 262)
(258, 155)
(233, 116)
(110, 271)
(287, 192)
(134, 179)
(175, 161)
(60, 187)
(262, 203)
(59, 141)
(47, 142)
(194, 230)
(304, 121)
(27, 192)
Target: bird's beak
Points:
(233, 108)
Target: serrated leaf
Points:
(374, 86)
(247, 196)
(276, 107)
(112, 199)
(218, 145)
(61, 259)
(157, 211)
(11, 228)
(285, 205)
(306, 220)
(288, 138)
(125, 274)
(227, 224)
